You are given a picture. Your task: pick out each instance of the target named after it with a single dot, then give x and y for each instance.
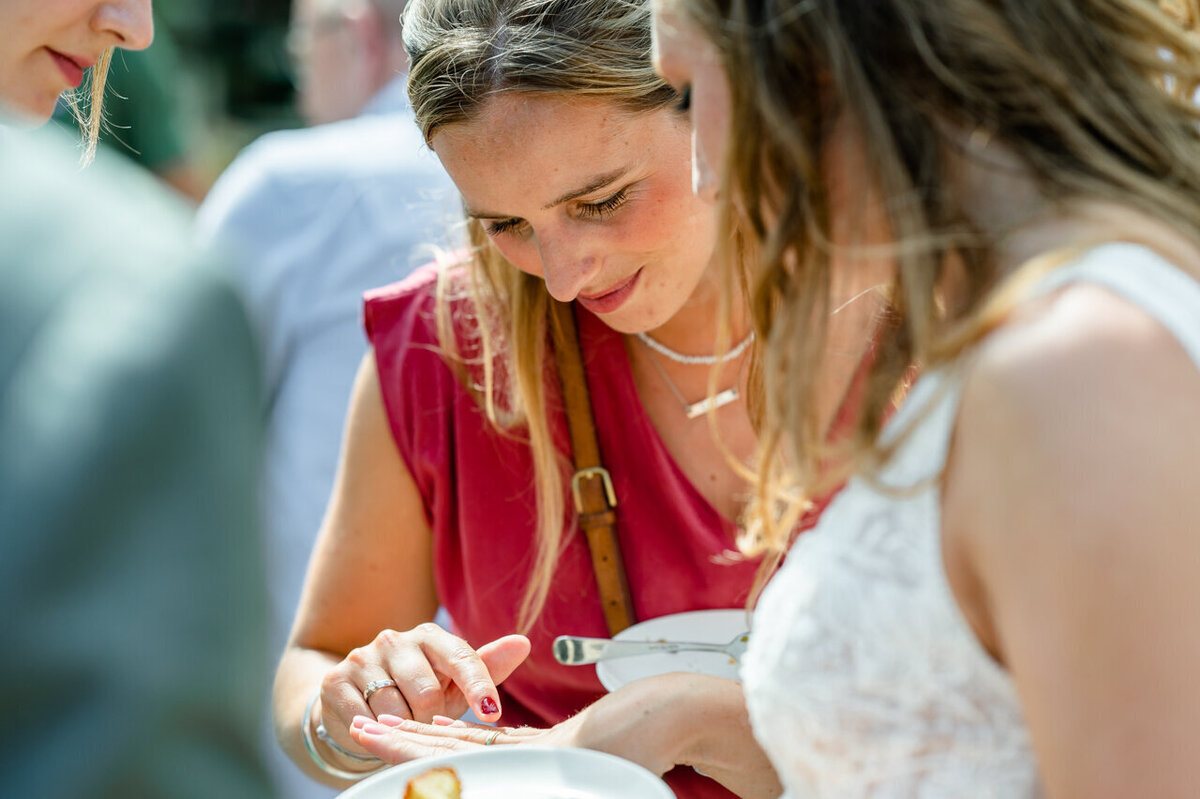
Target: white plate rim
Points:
(655, 788)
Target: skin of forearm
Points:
(721, 744)
(681, 719)
(299, 675)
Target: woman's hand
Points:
(396, 740)
(376, 516)
(435, 674)
(658, 722)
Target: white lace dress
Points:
(863, 679)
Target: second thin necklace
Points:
(699, 408)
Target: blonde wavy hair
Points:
(87, 106)
(1097, 98)
(462, 52)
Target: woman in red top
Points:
(573, 160)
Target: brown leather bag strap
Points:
(591, 485)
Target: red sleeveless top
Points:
(477, 488)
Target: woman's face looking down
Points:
(591, 197)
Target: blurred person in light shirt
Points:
(345, 52)
(316, 217)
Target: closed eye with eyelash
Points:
(604, 208)
(598, 210)
(502, 226)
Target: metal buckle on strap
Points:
(593, 471)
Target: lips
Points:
(612, 298)
(72, 67)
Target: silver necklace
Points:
(699, 408)
(703, 360)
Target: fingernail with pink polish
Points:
(489, 706)
(443, 721)
(390, 720)
(373, 728)
(359, 721)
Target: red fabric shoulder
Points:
(418, 385)
(407, 304)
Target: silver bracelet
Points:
(311, 747)
(324, 735)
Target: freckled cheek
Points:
(655, 228)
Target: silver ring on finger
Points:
(491, 739)
(377, 685)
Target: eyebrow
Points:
(597, 183)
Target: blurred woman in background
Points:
(51, 47)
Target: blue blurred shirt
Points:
(316, 217)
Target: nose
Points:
(704, 183)
(565, 268)
(130, 21)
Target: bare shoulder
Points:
(1070, 535)
(1086, 386)
(1078, 429)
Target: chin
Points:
(624, 329)
(42, 115)
(33, 111)
(19, 116)
(639, 320)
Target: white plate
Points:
(700, 626)
(528, 772)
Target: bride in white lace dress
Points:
(1005, 599)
